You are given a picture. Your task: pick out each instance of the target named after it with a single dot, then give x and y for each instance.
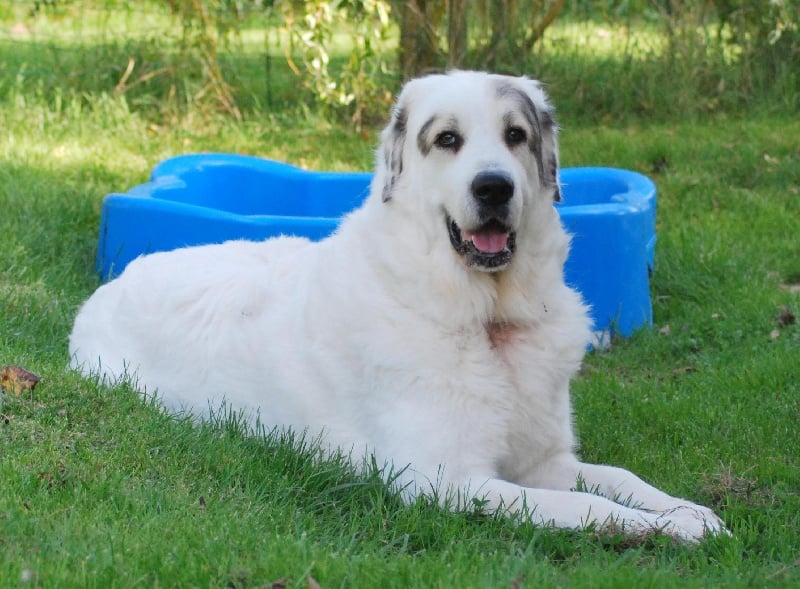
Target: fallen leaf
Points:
(17, 380)
(775, 334)
(659, 164)
(664, 330)
(312, 583)
(785, 317)
(683, 370)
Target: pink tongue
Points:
(488, 243)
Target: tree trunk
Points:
(538, 28)
(419, 21)
(513, 27)
(457, 22)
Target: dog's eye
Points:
(516, 135)
(448, 140)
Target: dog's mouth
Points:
(490, 247)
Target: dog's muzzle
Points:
(491, 245)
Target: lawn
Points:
(101, 489)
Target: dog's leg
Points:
(579, 510)
(624, 487)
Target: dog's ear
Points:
(390, 156)
(549, 136)
(550, 152)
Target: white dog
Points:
(433, 330)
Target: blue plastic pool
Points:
(211, 198)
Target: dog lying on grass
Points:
(433, 330)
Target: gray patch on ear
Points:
(424, 142)
(553, 172)
(550, 148)
(526, 107)
(544, 145)
(393, 151)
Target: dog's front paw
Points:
(690, 523)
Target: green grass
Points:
(100, 489)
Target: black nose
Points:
(493, 188)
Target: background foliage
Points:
(346, 58)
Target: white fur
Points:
(384, 340)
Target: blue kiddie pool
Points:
(211, 198)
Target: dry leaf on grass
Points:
(785, 317)
(17, 380)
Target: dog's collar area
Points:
(494, 239)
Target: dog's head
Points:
(477, 153)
